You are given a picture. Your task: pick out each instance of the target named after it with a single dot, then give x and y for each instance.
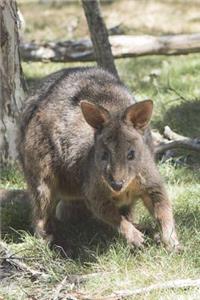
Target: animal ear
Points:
(139, 114)
(95, 115)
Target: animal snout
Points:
(117, 185)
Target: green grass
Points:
(11, 178)
(173, 83)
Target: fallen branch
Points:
(75, 280)
(79, 279)
(122, 46)
(192, 145)
(59, 288)
(177, 142)
(171, 135)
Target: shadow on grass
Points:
(81, 235)
(183, 118)
(83, 238)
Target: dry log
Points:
(122, 46)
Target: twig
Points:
(18, 257)
(78, 279)
(122, 294)
(59, 289)
(18, 264)
(13, 255)
(172, 284)
(75, 280)
(170, 88)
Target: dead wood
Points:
(122, 46)
(171, 135)
(175, 141)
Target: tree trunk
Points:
(11, 87)
(99, 36)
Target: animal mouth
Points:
(116, 187)
(124, 188)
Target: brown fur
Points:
(83, 137)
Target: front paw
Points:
(136, 238)
(132, 235)
(172, 244)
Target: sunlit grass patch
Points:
(11, 178)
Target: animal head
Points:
(119, 144)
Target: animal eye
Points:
(104, 155)
(131, 155)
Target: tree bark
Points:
(11, 87)
(122, 46)
(99, 36)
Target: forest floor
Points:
(102, 263)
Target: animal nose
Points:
(117, 185)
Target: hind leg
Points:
(44, 209)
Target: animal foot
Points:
(132, 235)
(172, 243)
(173, 246)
